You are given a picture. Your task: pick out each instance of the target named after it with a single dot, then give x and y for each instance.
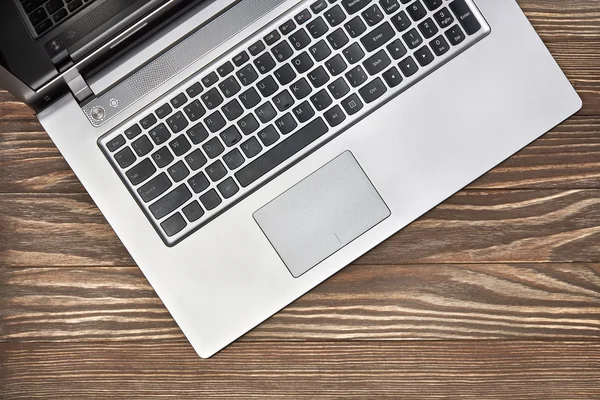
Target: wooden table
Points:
(494, 294)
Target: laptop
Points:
(246, 150)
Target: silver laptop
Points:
(246, 150)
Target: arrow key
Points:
(392, 77)
(396, 49)
(424, 56)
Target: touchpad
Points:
(322, 214)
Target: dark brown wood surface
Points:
(493, 294)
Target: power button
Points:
(98, 113)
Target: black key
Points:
(424, 56)
(213, 148)
(286, 124)
(408, 66)
(231, 136)
(180, 145)
(439, 45)
(141, 172)
(251, 147)
(353, 53)
(155, 188)
(171, 202)
(197, 133)
(318, 6)
(247, 75)
(282, 51)
(372, 90)
(272, 38)
(173, 225)
(466, 18)
(373, 15)
(302, 62)
(233, 159)
(61, 14)
(142, 146)
(299, 39)
(210, 79)
(178, 100)
(74, 5)
(302, 17)
(287, 27)
(354, 6)
(225, 69)
(392, 77)
(320, 50)
(264, 63)
(318, 77)
(116, 143)
(163, 111)
(210, 200)
(396, 49)
(338, 88)
(232, 110)
(334, 116)
(230, 87)
(160, 134)
(162, 157)
(337, 39)
(196, 160)
(285, 74)
(412, 38)
(428, 28)
(194, 90)
(177, 122)
(193, 211)
(268, 136)
(198, 183)
(317, 27)
(248, 124)
(228, 188)
(212, 99)
(444, 18)
(30, 5)
(416, 10)
(43, 26)
(265, 112)
(283, 100)
(257, 48)
(281, 152)
(389, 6)
(194, 110)
(301, 89)
(336, 65)
(37, 16)
(250, 98)
(125, 157)
(215, 122)
(356, 76)
(352, 104)
(377, 62)
(355, 27)
(241, 58)
(455, 35)
(216, 171)
(178, 171)
(303, 112)
(335, 15)
(148, 121)
(401, 21)
(433, 4)
(54, 5)
(133, 131)
(378, 37)
(321, 100)
(267, 86)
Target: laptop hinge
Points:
(78, 85)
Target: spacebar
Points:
(284, 150)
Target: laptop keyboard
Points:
(44, 14)
(274, 99)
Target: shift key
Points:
(170, 202)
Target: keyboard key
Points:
(177, 122)
(38, 16)
(378, 37)
(267, 86)
(301, 89)
(444, 18)
(356, 76)
(230, 87)
(285, 74)
(408, 66)
(377, 62)
(148, 121)
(198, 183)
(171, 202)
(318, 77)
(213, 148)
(178, 171)
(352, 104)
(231, 136)
(250, 98)
(228, 188)
(287, 27)
(389, 6)
(283, 100)
(197, 133)
(210, 79)
(392, 77)
(336, 65)
(116, 143)
(180, 145)
(355, 27)
(401, 21)
(286, 124)
(428, 28)
(372, 90)
(372, 15)
(163, 111)
(251, 147)
(264, 63)
(173, 225)
(353, 53)
(225, 69)
(248, 124)
(439, 45)
(210, 200)
(194, 110)
(320, 50)
(272, 38)
(317, 27)
(417, 11)
(142, 146)
(265, 112)
(321, 100)
(140, 172)
(396, 49)
(281, 152)
(433, 4)
(133, 131)
(455, 35)
(303, 112)
(43, 26)
(178, 100)
(354, 6)
(282, 51)
(302, 62)
(299, 39)
(155, 187)
(196, 160)
(268, 136)
(162, 157)
(241, 58)
(338, 88)
(337, 39)
(335, 116)
(257, 48)
(216, 171)
(194, 90)
(424, 56)
(215, 122)
(302, 17)
(466, 18)
(318, 6)
(232, 110)
(125, 157)
(247, 75)
(212, 99)
(335, 15)
(412, 39)
(233, 159)
(193, 211)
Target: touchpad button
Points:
(321, 214)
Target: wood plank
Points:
(358, 370)
(471, 227)
(413, 302)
